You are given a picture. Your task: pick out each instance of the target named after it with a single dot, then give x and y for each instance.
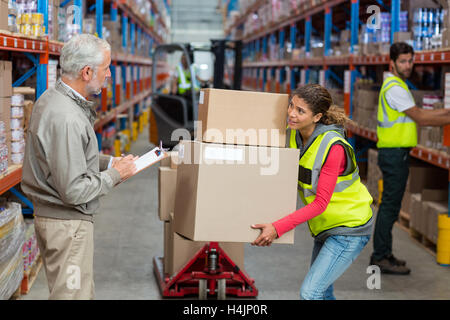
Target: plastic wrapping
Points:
(17, 158)
(17, 100)
(12, 239)
(18, 146)
(17, 135)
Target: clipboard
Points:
(148, 159)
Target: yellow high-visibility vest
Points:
(349, 205)
(395, 129)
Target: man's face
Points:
(101, 76)
(404, 65)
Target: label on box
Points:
(226, 154)
(202, 97)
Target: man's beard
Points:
(404, 75)
(94, 89)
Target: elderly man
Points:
(63, 172)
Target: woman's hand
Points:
(268, 234)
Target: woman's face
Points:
(300, 116)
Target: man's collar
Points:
(88, 106)
(73, 90)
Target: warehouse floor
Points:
(128, 234)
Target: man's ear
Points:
(87, 73)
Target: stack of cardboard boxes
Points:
(344, 43)
(5, 114)
(426, 197)
(178, 250)
(236, 173)
(366, 105)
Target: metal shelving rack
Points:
(137, 86)
(259, 74)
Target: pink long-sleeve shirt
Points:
(331, 169)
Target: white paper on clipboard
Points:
(149, 159)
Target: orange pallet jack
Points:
(209, 273)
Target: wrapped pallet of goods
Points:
(12, 238)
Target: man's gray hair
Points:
(81, 51)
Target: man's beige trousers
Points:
(67, 251)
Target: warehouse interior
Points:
(141, 251)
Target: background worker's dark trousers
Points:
(394, 164)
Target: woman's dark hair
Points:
(399, 48)
(319, 101)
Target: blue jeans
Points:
(329, 261)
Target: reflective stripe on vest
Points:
(350, 203)
(395, 129)
(183, 84)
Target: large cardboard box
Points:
(180, 250)
(224, 189)
(242, 117)
(5, 79)
(167, 184)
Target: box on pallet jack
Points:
(224, 189)
(178, 250)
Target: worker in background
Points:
(63, 173)
(398, 117)
(334, 202)
(186, 79)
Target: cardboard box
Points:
(435, 195)
(406, 202)
(5, 79)
(416, 211)
(180, 250)
(402, 37)
(317, 52)
(4, 15)
(5, 116)
(223, 189)
(167, 244)
(445, 38)
(345, 37)
(170, 161)
(242, 117)
(426, 178)
(167, 183)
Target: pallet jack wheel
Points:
(202, 289)
(221, 289)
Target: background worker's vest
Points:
(349, 205)
(395, 129)
(184, 80)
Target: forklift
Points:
(210, 272)
(170, 112)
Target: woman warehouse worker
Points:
(333, 200)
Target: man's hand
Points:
(268, 234)
(125, 166)
(115, 160)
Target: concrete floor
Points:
(128, 234)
